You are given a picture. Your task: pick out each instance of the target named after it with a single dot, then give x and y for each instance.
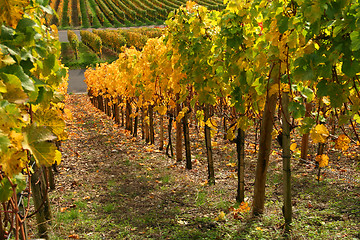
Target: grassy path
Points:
(112, 186)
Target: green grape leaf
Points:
(45, 95)
(5, 190)
(6, 33)
(20, 181)
(283, 24)
(308, 93)
(350, 67)
(306, 125)
(343, 119)
(18, 71)
(297, 109)
(4, 142)
(49, 64)
(14, 92)
(355, 40)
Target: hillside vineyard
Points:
(117, 13)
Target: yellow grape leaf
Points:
(204, 183)
(12, 162)
(38, 140)
(57, 157)
(74, 236)
(52, 120)
(12, 11)
(319, 134)
(274, 89)
(323, 160)
(220, 217)
(181, 114)
(190, 5)
(7, 60)
(2, 87)
(68, 114)
(293, 146)
(230, 133)
(231, 164)
(161, 110)
(285, 87)
(342, 142)
(244, 206)
(147, 120)
(211, 123)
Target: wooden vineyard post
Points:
(178, 144)
(51, 178)
(265, 145)
(169, 145)
(305, 137)
(41, 202)
(211, 172)
(117, 113)
(122, 116)
(286, 160)
(146, 125)
(110, 107)
(240, 148)
(107, 106)
(151, 125)
(136, 122)
(187, 140)
(161, 144)
(127, 116)
(100, 102)
(224, 109)
(142, 123)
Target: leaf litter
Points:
(114, 186)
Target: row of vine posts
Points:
(297, 58)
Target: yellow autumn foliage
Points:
(319, 134)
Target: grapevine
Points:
(257, 59)
(33, 84)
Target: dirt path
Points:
(113, 186)
(123, 187)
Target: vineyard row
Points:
(254, 59)
(117, 13)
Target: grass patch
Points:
(166, 179)
(109, 207)
(87, 58)
(201, 198)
